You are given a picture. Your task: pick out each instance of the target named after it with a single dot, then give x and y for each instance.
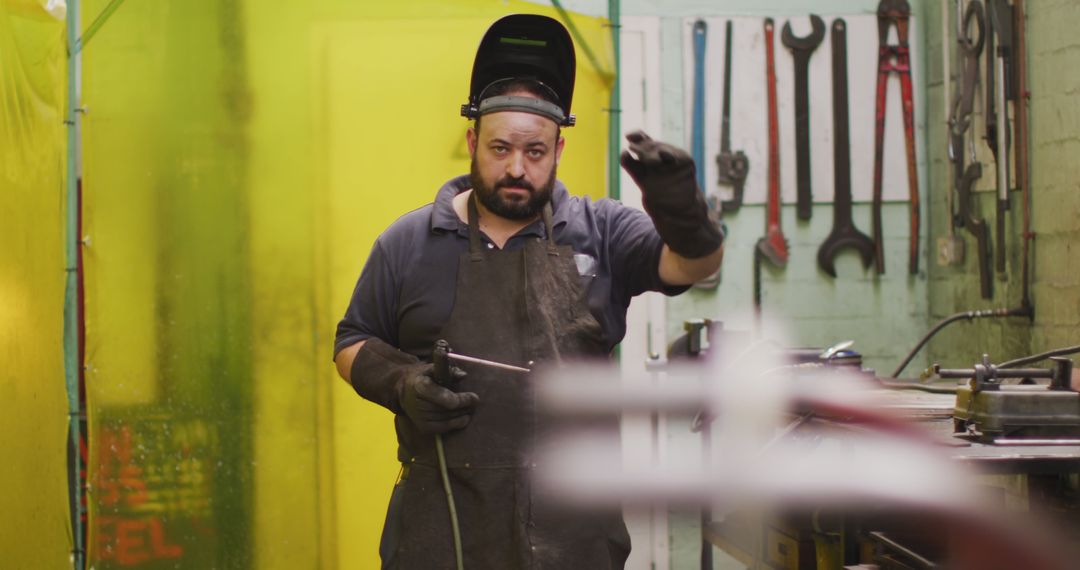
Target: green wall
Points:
(1053, 56)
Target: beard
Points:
(507, 208)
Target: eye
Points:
(535, 153)
(499, 149)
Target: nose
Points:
(515, 167)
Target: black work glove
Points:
(403, 384)
(671, 196)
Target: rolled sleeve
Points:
(635, 249)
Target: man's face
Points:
(514, 158)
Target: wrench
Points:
(976, 226)
(732, 167)
(801, 50)
(895, 59)
(697, 142)
(1001, 24)
(774, 245)
(844, 234)
(697, 139)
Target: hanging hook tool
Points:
(732, 167)
(844, 234)
(801, 50)
(895, 59)
(964, 178)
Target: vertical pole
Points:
(614, 105)
(72, 310)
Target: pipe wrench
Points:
(732, 167)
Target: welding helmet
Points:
(529, 47)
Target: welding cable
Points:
(969, 315)
(917, 386)
(449, 501)
(1039, 357)
(443, 375)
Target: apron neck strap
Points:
(550, 233)
(474, 228)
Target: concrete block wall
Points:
(1054, 84)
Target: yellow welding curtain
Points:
(240, 159)
(33, 404)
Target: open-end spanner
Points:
(774, 245)
(732, 167)
(895, 59)
(844, 234)
(801, 50)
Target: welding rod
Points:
(483, 362)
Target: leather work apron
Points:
(513, 307)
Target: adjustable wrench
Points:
(801, 50)
(895, 59)
(774, 245)
(732, 168)
(844, 234)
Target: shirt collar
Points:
(443, 216)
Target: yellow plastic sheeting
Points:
(34, 420)
(170, 382)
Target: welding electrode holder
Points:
(441, 363)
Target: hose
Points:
(917, 386)
(449, 501)
(969, 315)
(1038, 357)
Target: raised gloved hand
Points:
(670, 194)
(402, 384)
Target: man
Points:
(507, 266)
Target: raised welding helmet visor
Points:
(524, 46)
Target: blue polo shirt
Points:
(406, 290)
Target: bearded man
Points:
(507, 266)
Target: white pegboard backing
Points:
(749, 106)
